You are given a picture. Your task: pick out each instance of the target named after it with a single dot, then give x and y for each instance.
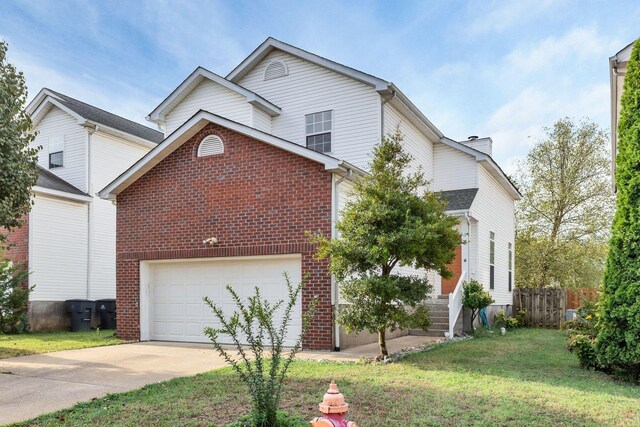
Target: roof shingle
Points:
(459, 199)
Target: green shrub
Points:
(261, 372)
(283, 419)
(618, 343)
(584, 347)
(14, 297)
(475, 298)
(502, 321)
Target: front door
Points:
(449, 285)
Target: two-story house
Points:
(68, 240)
(252, 161)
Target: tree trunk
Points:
(473, 318)
(382, 342)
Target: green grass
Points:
(526, 378)
(46, 342)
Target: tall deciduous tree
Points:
(618, 341)
(390, 221)
(18, 162)
(566, 210)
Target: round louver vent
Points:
(210, 146)
(275, 69)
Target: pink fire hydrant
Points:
(334, 409)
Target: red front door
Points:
(449, 285)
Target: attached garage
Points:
(172, 292)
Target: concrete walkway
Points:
(38, 384)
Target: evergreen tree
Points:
(618, 341)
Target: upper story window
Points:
(210, 146)
(492, 259)
(318, 131)
(56, 152)
(275, 69)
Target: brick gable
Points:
(255, 198)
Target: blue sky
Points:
(503, 69)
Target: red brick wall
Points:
(17, 245)
(256, 199)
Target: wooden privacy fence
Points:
(547, 307)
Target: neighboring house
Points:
(617, 71)
(258, 158)
(68, 240)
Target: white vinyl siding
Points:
(57, 249)
(261, 120)
(309, 88)
(494, 209)
(110, 157)
(415, 142)
(58, 124)
(453, 169)
(211, 97)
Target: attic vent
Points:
(275, 69)
(210, 146)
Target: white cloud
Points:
(500, 15)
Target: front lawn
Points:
(526, 378)
(46, 342)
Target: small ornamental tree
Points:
(389, 221)
(18, 162)
(618, 340)
(475, 298)
(14, 297)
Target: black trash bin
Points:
(107, 310)
(80, 310)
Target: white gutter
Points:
(61, 194)
(336, 201)
(91, 128)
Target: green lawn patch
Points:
(526, 378)
(46, 342)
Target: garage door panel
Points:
(177, 289)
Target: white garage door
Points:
(176, 291)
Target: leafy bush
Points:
(14, 297)
(474, 297)
(254, 324)
(282, 420)
(502, 321)
(585, 322)
(584, 347)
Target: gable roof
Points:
(194, 79)
(193, 126)
(489, 164)
(457, 200)
(86, 113)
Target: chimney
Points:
(484, 145)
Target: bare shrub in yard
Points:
(260, 364)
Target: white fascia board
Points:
(190, 128)
(159, 113)
(412, 113)
(268, 45)
(37, 100)
(61, 194)
(118, 133)
(41, 110)
(501, 177)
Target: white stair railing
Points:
(455, 304)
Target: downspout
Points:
(90, 130)
(468, 221)
(384, 101)
(336, 200)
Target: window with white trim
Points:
(56, 152)
(510, 266)
(492, 259)
(210, 146)
(318, 128)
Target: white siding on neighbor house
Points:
(453, 169)
(213, 98)
(57, 249)
(110, 156)
(415, 142)
(57, 123)
(261, 120)
(309, 88)
(494, 209)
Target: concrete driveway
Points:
(38, 384)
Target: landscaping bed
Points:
(46, 342)
(526, 378)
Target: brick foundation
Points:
(256, 199)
